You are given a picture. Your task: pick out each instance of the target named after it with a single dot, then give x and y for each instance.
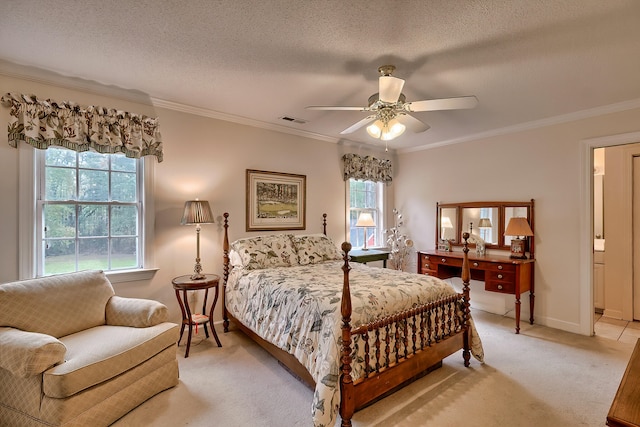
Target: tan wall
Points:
(207, 158)
(204, 158)
(543, 164)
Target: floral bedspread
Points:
(298, 309)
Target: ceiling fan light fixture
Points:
(393, 130)
(389, 110)
(386, 131)
(375, 130)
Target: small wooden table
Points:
(625, 409)
(186, 283)
(369, 255)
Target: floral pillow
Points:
(254, 253)
(315, 248)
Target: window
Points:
(365, 196)
(88, 212)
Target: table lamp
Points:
(518, 226)
(484, 225)
(365, 220)
(446, 225)
(197, 212)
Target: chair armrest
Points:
(135, 312)
(29, 353)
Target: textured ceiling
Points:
(525, 61)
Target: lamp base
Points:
(197, 269)
(517, 249)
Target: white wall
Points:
(543, 164)
(204, 158)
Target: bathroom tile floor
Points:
(619, 330)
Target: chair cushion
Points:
(103, 352)
(56, 305)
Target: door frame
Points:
(586, 221)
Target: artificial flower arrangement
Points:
(400, 245)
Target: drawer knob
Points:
(500, 287)
(499, 267)
(500, 277)
(475, 264)
(443, 260)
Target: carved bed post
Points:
(225, 270)
(466, 276)
(347, 405)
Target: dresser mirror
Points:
(488, 220)
(483, 222)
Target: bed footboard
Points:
(401, 347)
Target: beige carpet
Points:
(542, 377)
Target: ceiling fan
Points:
(390, 109)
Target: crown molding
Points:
(565, 118)
(38, 75)
(205, 112)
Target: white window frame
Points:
(28, 219)
(380, 216)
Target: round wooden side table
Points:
(186, 283)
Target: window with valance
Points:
(366, 168)
(45, 123)
(91, 203)
(365, 178)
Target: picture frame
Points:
(275, 201)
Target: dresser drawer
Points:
(500, 267)
(427, 267)
(479, 265)
(498, 281)
(444, 260)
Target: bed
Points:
(353, 336)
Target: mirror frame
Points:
(501, 206)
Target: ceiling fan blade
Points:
(358, 125)
(459, 103)
(412, 123)
(390, 88)
(338, 108)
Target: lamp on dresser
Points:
(518, 227)
(484, 225)
(365, 220)
(197, 212)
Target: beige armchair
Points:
(74, 354)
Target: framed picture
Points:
(275, 201)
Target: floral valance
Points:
(367, 168)
(46, 123)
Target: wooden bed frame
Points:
(416, 352)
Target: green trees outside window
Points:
(90, 211)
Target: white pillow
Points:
(265, 252)
(315, 248)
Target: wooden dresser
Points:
(499, 273)
(625, 409)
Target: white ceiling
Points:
(527, 62)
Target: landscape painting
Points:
(275, 201)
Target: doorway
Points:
(587, 225)
(613, 268)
